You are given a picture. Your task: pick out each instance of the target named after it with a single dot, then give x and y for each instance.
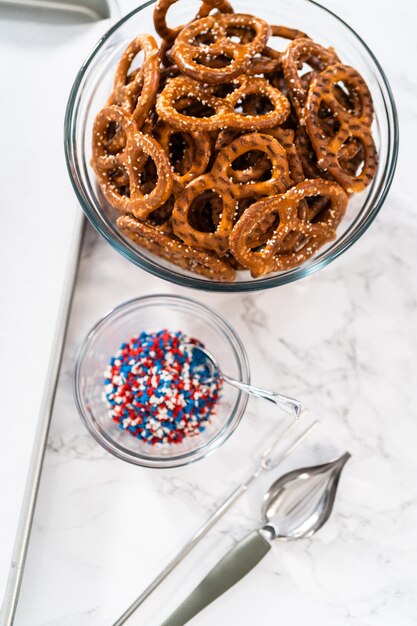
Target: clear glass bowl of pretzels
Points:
(231, 151)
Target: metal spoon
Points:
(295, 507)
(287, 404)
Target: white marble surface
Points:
(345, 341)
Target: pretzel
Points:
(169, 34)
(255, 104)
(161, 9)
(351, 126)
(196, 153)
(136, 92)
(207, 38)
(350, 102)
(218, 240)
(224, 114)
(298, 52)
(259, 234)
(245, 183)
(130, 161)
(256, 168)
(288, 33)
(276, 156)
(165, 244)
(284, 207)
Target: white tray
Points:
(41, 52)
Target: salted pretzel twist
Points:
(218, 240)
(135, 92)
(298, 52)
(161, 9)
(240, 183)
(166, 245)
(196, 153)
(206, 39)
(285, 208)
(224, 108)
(354, 126)
(127, 165)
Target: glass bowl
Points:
(92, 88)
(153, 313)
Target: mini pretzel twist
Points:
(207, 39)
(352, 127)
(127, 165)
(298, 52)
(285, 208)
(196, 157)
(166, 245)
(136, 92)
(276, 156)
(161, 9)
(217, 240)
(224, 108)
(245, 183)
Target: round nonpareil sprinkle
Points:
(160, 391)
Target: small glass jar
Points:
(153, 313)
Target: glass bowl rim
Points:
(196, 282)
(230, 424)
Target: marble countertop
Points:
(344, 340)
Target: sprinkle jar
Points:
(147, 316)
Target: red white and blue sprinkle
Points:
(160, 391)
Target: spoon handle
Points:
(286, 403)
(232, 568)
